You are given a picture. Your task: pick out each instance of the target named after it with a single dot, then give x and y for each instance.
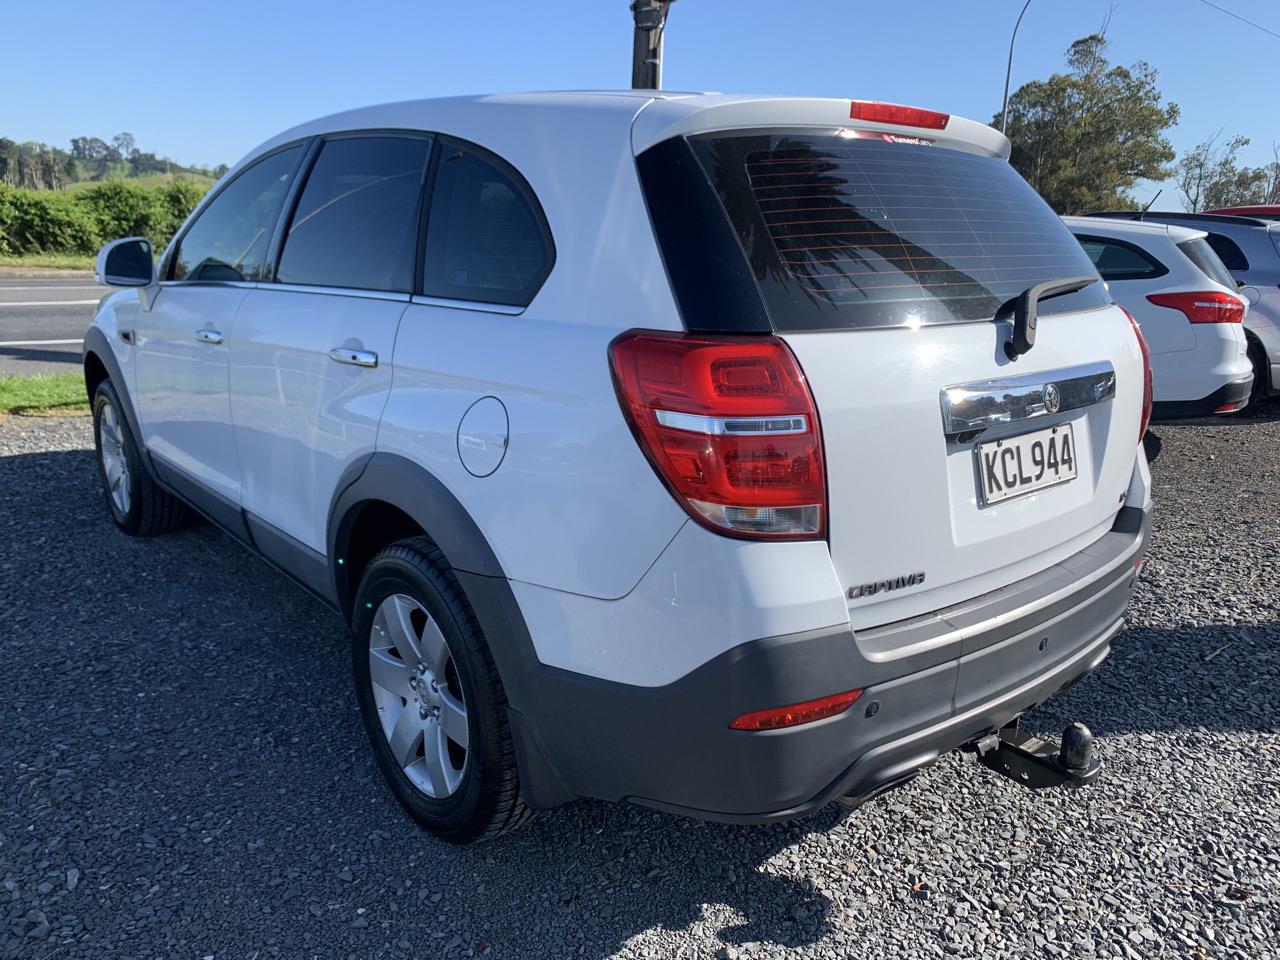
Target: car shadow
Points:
(203, 705)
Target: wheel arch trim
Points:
(96, 345)
(416, 492)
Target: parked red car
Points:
(1268, 211)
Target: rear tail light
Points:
(897, 114)
(1210, 307)
(776, 718)
(1147, 393)
(731, 428)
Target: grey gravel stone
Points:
(179, 726)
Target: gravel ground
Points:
(185, 774)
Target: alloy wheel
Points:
(115, 465)
(419, 696)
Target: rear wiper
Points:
(1023, 308)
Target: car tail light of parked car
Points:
(730, 426)
(1148, 394)
(1206, 307)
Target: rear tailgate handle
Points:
(358, 358)
(970, 408)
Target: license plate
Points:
(1027, 463)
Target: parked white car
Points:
(1187, 304)
(727, 455)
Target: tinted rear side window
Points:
(356, 222)
(1209, 263)
(846, 232)
(486, 236)
(230, 237)
(1228, 252)
(1118, 260)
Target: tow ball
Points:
(1038, 763)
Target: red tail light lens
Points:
(731, 428)
(1211, 307)
(897, 114)
(776, 718)
(1147, 393)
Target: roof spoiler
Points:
(1158, 214)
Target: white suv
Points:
(1185, 303)
(698, 451)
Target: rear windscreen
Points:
(1209, 263)
(845, 232)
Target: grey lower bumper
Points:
(930, 685)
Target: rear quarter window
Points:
(1120, 260)
(1228, 252)
(849, 232)
(1199, 252)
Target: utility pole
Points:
(646, 49)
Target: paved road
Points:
(183, 774)
(42, 323)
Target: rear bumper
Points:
(930, 684)
(1234, 395)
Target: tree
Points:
(123, 143)
(1209, 177)
(1084, 138)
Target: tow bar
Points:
(1037, 763)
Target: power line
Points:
(1256, 26)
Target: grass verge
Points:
(47, 261)
(43, 393)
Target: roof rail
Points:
(1178, 215)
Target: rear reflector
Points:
(897, 114)
(1230, 407)
(729, 425)
(1210, 307)
(776, 718)
(1148, 394)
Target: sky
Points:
(205, 86)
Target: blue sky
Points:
(204, 87)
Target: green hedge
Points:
(79, 222)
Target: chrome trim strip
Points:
(970, 407)
(477, 305)
(733, 426)
(336, 291)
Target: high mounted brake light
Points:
(896, 113)
(731, 428)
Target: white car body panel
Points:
(181, 382)
(300, 419)
(903, 500)
(575, 507)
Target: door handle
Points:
(209, 336)
(358, 358)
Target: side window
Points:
(1228, 252)
(486, 237)
(229, 240)
(356, 220)
(1117, 260)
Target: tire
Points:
(1260, 370)
(461, 792)
(138, 505)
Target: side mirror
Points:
(126, 263)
